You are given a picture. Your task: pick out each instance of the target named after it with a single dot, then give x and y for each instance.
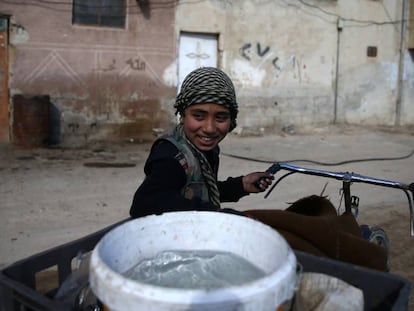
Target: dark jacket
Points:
(165, 177)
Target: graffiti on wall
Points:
(133, 64)
(249, 51)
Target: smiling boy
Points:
(181, 169)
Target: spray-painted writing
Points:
(248, 50)
(133, 63)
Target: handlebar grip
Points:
(272, 170)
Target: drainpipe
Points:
(401, 64)
(340, 25)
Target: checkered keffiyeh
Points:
(206, 169)
(208, 85)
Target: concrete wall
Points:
(294, 65)
(291, 62)
(368, 86)
(407, 103)
(280, 57)
(107, 83)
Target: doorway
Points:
(195, 50)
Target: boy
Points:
(181, 170)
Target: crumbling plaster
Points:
(293, 63)
(308, 57)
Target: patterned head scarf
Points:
(208, 85)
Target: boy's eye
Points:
(198, 115)
(222, 117)
(219, 117)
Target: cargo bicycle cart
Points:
(347, 178)
(19, 282)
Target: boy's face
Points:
(205, 125)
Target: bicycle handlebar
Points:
(351, 177)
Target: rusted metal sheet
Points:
(31, 120)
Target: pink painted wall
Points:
(106, 82)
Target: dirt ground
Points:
(50, 196)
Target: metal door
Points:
(4, 78)
(196, 50)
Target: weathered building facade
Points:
(105, 82)
(315, 61)
(293, 62)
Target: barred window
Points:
(104, 13)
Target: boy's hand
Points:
(249, 181)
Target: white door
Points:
(196, 50)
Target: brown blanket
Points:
(312, 225)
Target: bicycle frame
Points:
(348, 178)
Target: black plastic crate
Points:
(382, 291)
(18, 288)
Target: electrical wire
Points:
(318, 162)
(66, 6)
(362, 23)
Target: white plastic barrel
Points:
(143, 238)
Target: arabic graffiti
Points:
(110, 67)
(133, 63)
(136, 64)
(248, 50)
